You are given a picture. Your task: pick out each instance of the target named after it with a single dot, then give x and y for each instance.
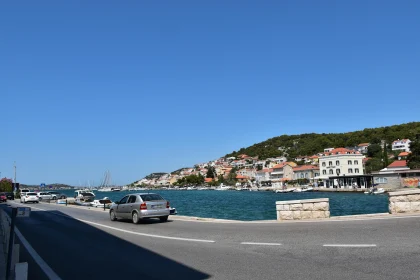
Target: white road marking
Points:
(36, 257)
(261, 243)
(350, 245)
(134, 232)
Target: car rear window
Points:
(151, 197)
(31, 193)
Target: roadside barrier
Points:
(14, 269)
(303, 209)
(404, 201)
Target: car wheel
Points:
(112, 215)
(40, 198)
(63, 197)
(136, 219)
(163, 219)
(54, 198)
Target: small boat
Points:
(297, 190)
(172, 211)
(379, 191)
(308, 189)
(101, 203)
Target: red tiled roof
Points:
(241, 177)
(398, 163)
(208, 179)
(341, 151)
(403, 154)
(363, 144)
(314, 156)
(305, 167)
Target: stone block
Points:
(297, 215)
(327, 214)
(295, 207)
(286, 207)
(415, 206)
(308, 206)
(286, 215)
(401, 198)
(391, 207)
(318, 214)
(321, 206)
(279, 207)
(402, 207)
(414, 197)
(306, 214)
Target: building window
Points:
(301, 175)
(350, 170)
(337, 171)
(356, 170)
(349, 162)
(381, 180)
(323, 164)
(356, 162)
(331, 171)
(330, 163)
(324, 172)
(337, 162)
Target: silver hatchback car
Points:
(140, 206)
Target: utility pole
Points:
(15, 171)
(14, 185)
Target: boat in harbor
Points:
(308, 189)
(375, 191)
(83, 196)
(101, 203)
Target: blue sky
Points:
(136, 87)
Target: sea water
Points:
(249, 206)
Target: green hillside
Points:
(311, 143)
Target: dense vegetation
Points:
(6, 185)
(312, 143)
(413, 159)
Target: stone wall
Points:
(404, 201)
(303, 209)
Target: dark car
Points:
(10, 196)
(3, 197)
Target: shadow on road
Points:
(75, 250)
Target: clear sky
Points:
(136, 87)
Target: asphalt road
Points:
(85, 244)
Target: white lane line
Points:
(350, 245)
(37, 258)
(261, 243)
(134, 232)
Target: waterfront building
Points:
(305, 172)
(263, 175)
(342, 167)
(397, 175)
(403, 155)
(403, 144)
(282, 170)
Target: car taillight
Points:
(143, 206)
(167, 204)
(27, 196)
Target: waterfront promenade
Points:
(380, 247)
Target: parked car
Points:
(10, 196)
(140, 206)
(57, 195)
(3, 197)
(24, 191)
(29, 197)
(44, 196)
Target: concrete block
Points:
(21, 271)
(318, 214)
(308, 206)
(415, 206)
(327, 214)
(401, 198)
(297, 215)
(279, 207)
(295, 207)
(413, 197)
(400, 193)
(286, 207)
(306, 215)
(391, 207)
(286, 215)
(402, 207)
(321, 206)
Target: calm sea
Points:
(248, 206)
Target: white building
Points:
(341, 163)
(403, 144)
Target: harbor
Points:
(252, 206)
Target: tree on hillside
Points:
(6, 185)
(211, 172)
(385, 157)
(374, 150)
(413, 159)
(373, 164)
